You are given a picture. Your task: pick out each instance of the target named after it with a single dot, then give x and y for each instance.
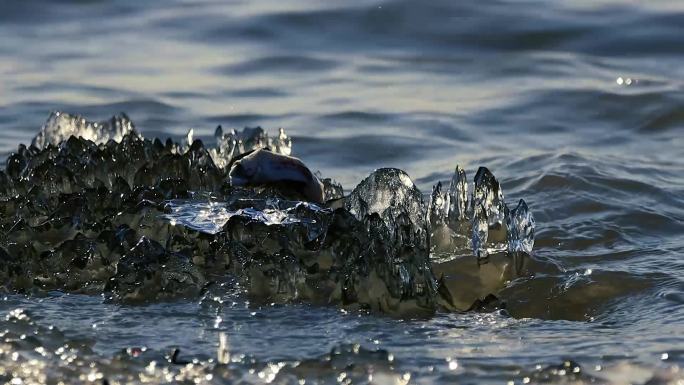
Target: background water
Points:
(575, 106)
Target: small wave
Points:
(669, 117)
(271, 64)
(245, 119)
(578, 296)
(358, 117)
(256, 93)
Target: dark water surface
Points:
(578, 107)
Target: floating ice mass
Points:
(96, 208)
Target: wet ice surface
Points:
(575, 107)
(200, 215)
(209, 216)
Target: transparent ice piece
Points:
(438, 209)
(282, 144)
(520, 225)
(234, 143)
(189, 138)
(458, 197)
(449, 225)
(388, 192)
(60, 126)
(480, 232)
(488, 193)
(331, 188)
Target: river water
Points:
(577, 107)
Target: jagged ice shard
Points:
(480, 232)
(485, 219)
(520, 225)
(488, 193)
(234, 143)
(438, 209)
(392, 208)
(60, 126)
(458, 197)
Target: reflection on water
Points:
(576, 107)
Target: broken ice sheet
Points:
(210, 216)
(205, 216)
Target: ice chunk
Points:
(458, 198)
(388, 192)
(438, 209)
(459, 226)
(233, 143)
(450, 229)
(253, 138)
(488, 208)
(281, 250)
(482, 225)
(392, 211)
(331, 188)
(60, 126)
(520, 225)
(189, 138)
(480, 232)
(396, 259)
(488, 193)
(282, 144)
